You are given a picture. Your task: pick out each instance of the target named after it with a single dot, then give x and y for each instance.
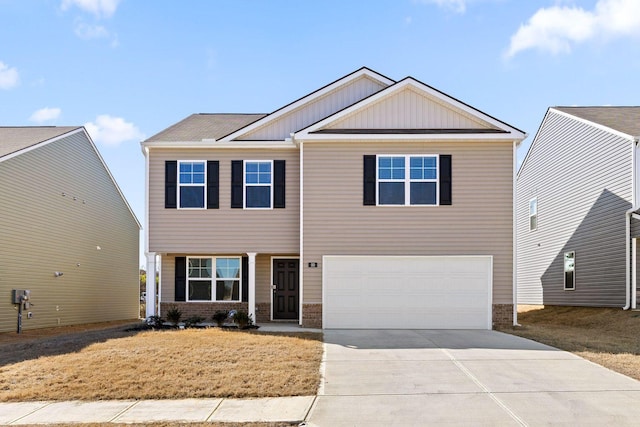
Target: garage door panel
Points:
(407, 292)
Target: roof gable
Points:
(410, 107)
(315, 106)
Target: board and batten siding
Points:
(224, 230)
(316, 110)
(479, 222)
(581, 177)
(408, 109)
(44, 231)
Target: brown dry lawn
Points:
(606, 336)
(107, 362)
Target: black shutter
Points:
(445, 179)
(170, 184)
(181, 278)
(369, 198)
(213, 181)
(245, 279)
(237, 177)
(278, 183)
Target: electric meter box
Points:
(18, 296)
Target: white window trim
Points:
(204, 185)
(564, 272)
(245, 185)
(213, 279)
(535, 199)
(407, 179)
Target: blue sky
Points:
(126, 69)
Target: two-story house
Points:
(368, 203)
(578, 195)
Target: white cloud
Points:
(99, 8)
(45, 114)
(111, 130)
(8, 76)
(458, 6)
(556, 29)
(87, 31)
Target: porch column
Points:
(252, 285)
(151, 284)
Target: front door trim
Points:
(273, 258)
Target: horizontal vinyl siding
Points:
(581, 176)
(407, 109)
(43, 232)
(316, 110)
(223, 230)
(478, 223)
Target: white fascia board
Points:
(41, 144)
(409, 137)
(514, 133)
(220, 145)
(594, 124)
(308, 98)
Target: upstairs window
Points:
(191, 184)
(258, 184)
(407, 180)
(533, 214)
(569, 271)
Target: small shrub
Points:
(219, 317)
(243, 319)
(155, 322)
(174, 315)
(193, 321)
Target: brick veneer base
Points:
(312, 315)
(502, 315)
(204, 309)
(263, 312)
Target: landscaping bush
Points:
(219, 317)
(174, 315)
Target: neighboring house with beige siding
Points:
(369, 203)
(578, 197)
(68, 234)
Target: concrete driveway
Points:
(429, 377)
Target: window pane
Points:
(397, 162)
(185, 167)
(198, 178)
(423, 193)
(423, 168)
(199, 290)
(198, 167)
(227, 290)
(252, 167)
(228, 268)
(192, 197)
(384, 162)
(258, 197)
(416, 173)
(185, 178)
(384, 173)
(391, 168)
(264, 167)
(264, 177)
(251, 178)
(391, 193)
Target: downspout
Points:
(631, 286)
(515, 235)
(301, 220)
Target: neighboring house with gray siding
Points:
(577, 191)
(68, 234)
(367, 203)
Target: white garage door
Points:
(412, 292)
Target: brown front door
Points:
(285, 289)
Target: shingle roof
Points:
(622, 119)
(197, 127)
(14, 139)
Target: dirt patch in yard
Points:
(114, 363)
(606, 336)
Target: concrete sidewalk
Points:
(275, 409)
